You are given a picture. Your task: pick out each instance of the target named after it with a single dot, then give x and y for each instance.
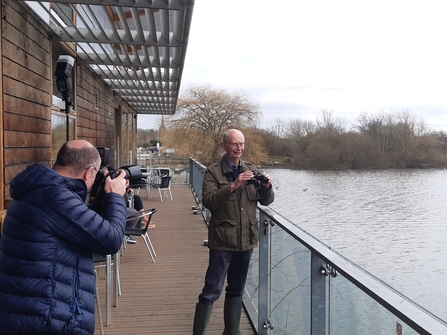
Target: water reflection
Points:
(390, 222)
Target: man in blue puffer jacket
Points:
(47, 283)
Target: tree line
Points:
(376, 141)
(147, 138)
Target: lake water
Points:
(392, 223)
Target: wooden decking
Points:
(160, 297)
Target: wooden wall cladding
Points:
(27, 84)
(95, 118)
(26, 74)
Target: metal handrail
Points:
(415, 316)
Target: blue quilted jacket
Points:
(47, 283)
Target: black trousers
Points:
(230, 264)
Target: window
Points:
(59, 131)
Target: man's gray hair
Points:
(225, 134)
(77, 159)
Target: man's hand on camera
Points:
(241, 180)
(269, 183)
(116, 185)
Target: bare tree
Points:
(203, 114)
(297, 128)
(329, 123)
(378, 127)
(278, 128)
(214, 110)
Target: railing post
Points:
(263, 298)
(318, 295)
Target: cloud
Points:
(295, 58)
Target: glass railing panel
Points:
(353, 312)
(353, 302)
(289, 284)
(252, 284)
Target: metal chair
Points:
(99, 261)
(98, 304)
(165, 172)
(144, 182)
(164, 187)
(135, 231)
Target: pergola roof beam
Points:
(138, 47)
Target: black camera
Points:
(257, 175)
(133, 174)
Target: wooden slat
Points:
(160, 297)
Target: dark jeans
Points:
(233, 264)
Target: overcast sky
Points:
(296, 57)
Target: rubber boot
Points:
(201, 318)
(232, 315)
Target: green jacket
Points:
(233, 225)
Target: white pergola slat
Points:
(138, 47)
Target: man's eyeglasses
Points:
(96, 170)
(235, 145)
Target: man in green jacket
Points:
(231, 191)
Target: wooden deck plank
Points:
(160, 297)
